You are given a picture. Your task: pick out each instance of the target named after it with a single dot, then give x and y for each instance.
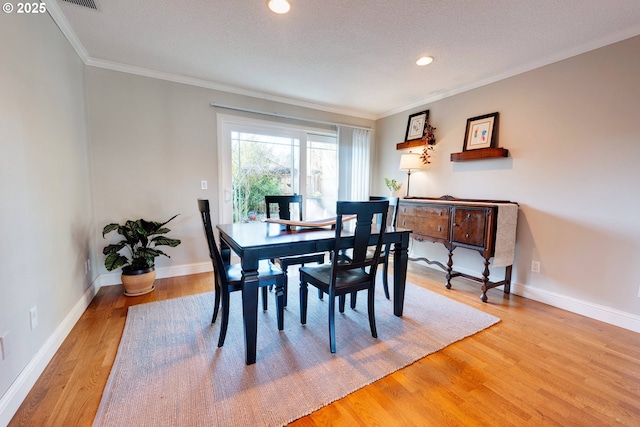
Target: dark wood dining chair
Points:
(348, 275)
(391, 222)
(228, 278)
(384, 256)
(284, 204)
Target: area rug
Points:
(169, 371)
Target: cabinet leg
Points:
(485, 281)
(507, 280)
(449, 268)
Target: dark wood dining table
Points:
(261, 240)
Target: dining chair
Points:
(347, 275)
(391, 222)
(228, 278)
(284, 211)
(384, 256)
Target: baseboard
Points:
(584, 308)
(17, 392)
(109, 279)
(594, 311)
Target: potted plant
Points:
(141, 239)
(393, 186)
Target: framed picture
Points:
(481, 132)
(415, 127)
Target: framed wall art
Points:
(481, 132)
(416, 124)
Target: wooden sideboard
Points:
(467, 223)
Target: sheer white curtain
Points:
(354, 153)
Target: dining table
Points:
(254, 241)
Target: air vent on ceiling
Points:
(86, 3)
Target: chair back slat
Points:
(214, 251)
(392, 217)
(365, 212)
(284, 205)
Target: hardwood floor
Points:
(540, 366)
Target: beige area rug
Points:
(169, 371)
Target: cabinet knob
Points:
(466, 235)
(439, 228)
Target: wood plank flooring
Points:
(540, 366)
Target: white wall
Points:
(45, 194)
(572, 133)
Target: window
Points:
(260, 158)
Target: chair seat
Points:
(266, 271)
(344, 279)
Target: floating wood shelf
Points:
(479, 154)
(411, 144)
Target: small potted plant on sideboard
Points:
(393, 186)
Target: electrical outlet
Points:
(4, 349)
(535, 266)
(33, 317)
(203, 185)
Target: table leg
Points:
(250, 315)
(250, 305)
(400, 261)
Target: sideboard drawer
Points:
(436, 228)
(425, 211)
(426, 221)
(469, 226)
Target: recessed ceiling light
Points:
(424, 60)
(279, 6)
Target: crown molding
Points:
(62, 23)
(596, 44)
(58, 17)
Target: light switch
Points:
(203, 185)
(33, 317)
(4, 348)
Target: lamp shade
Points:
(411, 161)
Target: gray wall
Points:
(572, 133)
(46, 218)
(153, 141)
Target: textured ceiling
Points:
(350, 56)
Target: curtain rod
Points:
(285, 116)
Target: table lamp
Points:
(410, 162)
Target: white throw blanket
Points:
(506, 234)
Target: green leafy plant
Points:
(392, 184)
(142, 239)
